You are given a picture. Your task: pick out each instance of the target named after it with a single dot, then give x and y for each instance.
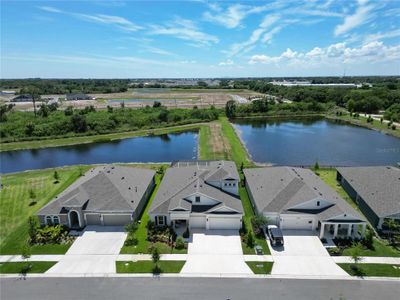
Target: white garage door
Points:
(116, 220)
(223, 223)
(93, 219)
(300, 223)
(197, 222)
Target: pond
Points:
(157, 148)
(304, 141)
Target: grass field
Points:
(259, 267)
(16, 205)
(380, 249)
(22, 267)
(379, 270)
(146, 266)
(328, 175)
(237, 151)
(141, 233)
(94, 138)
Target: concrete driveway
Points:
(303, 254)
(215, 252)
(94, 252)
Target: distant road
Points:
(195, 288)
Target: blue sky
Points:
(138, 39)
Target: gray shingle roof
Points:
(378, 186)
(279, 189)
(185, 179)
(104, 189)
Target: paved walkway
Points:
(215, 252)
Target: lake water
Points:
(158, 148)
(303, 142)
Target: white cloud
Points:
(120, 22)
(185, 30)
(362, 15)
(234, 14)
(228, 62)
(50, 9)
(382, 35)
(373, 52)
(268, 21)
(117, 21)
(157, 50)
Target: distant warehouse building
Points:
(376, 191)
(78, 96)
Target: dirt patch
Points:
(220, 145)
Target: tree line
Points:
(51, 122)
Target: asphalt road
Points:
(195, 288)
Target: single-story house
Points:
(296, 198)
(22, 98)
(106, 195)
(78, 96)
(199, 194)
(376, 191)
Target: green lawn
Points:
(248, 213)
(328, 175)
(380, 270)
(16, 205)
(259, 267)
(19, 267)
(93, 138)
(146, 266)
(205, 147)
(141, 233)
(380, 249)
(238, 152)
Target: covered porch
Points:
(332, 230)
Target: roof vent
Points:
(132, 201)
(122, 178)
(113, 167)
(129, 188)
(136, 189)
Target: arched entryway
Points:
(74, 219)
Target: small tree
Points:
(155, 257)
(33, 225)
(131, 227)
(316, 166)
(32, 194)
(56, 177)
(250, 240)
(179, 244)
(230, 109)
(356, 255)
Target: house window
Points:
(318, 203)
(56, 220)
(233, 184)
(197, 199)
(160, 220)
(49, 221)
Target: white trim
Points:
(59, 221)
(224, 206)
(79, 218)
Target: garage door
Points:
(299, 223)
(116, 220)
(93, 219)
(197, 222)
(223, 223)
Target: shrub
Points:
(131, 227)
(368, 241)
(250, 240)
(179, 244)
(335, 251)
(33, 225)
(131, 240)
(258, 222)
(51, 234)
